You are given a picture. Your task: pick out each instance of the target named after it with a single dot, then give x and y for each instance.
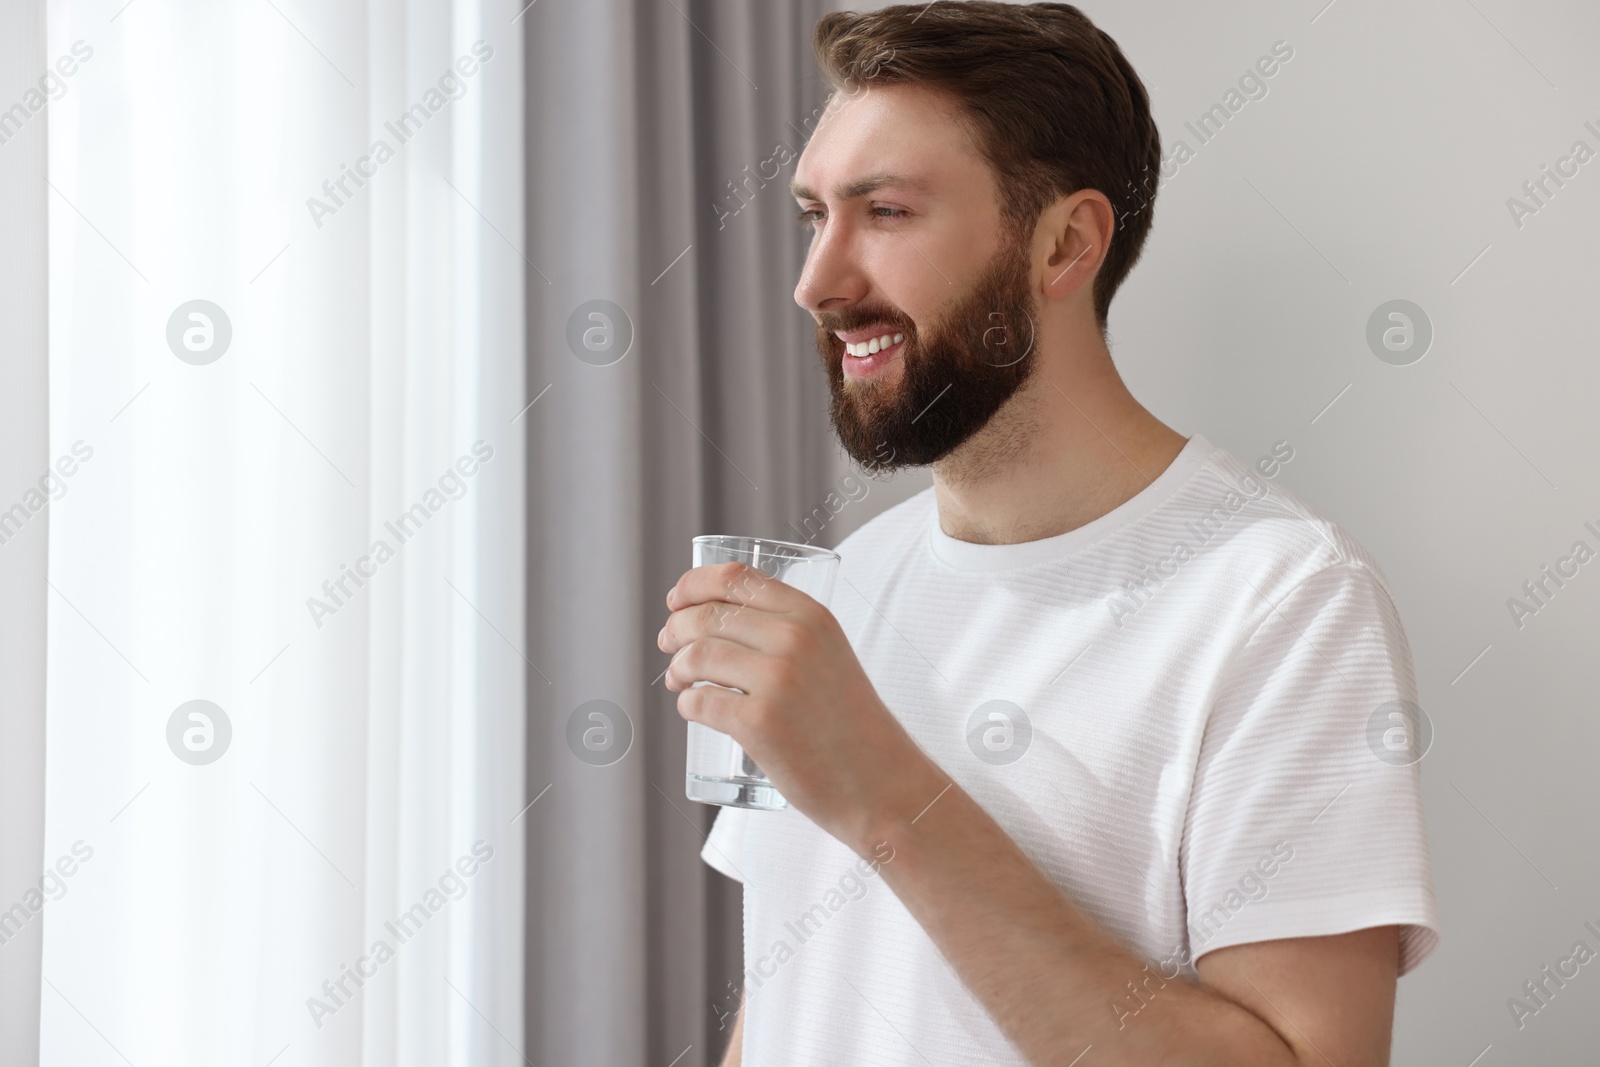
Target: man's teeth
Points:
(877, 344)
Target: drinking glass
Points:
(719, 771)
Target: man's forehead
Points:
(901, 138)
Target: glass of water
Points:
(719, 771)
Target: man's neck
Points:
(1070, 446)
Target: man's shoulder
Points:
(1270, 530)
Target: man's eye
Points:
(810, 215)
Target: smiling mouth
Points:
(863, 349)
(870, 363)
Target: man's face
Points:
(925, 257)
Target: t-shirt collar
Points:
(969, 556)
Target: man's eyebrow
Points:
(863, 186)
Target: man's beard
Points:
(951, 382)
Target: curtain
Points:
(285, 712)
(24, 522)
(681, 396)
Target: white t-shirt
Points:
(1196, 741)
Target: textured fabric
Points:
(1188, 684)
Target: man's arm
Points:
(1056, 984)
(734, 1057)
(1331, 998)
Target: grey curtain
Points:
(661, 136)
(24, 458)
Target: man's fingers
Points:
(734, 583)
(717, 708)
(747, 624)
(714, 659)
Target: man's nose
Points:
(831, 274)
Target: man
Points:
(1081, 763)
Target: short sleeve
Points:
(724, 845)
(1305, 817)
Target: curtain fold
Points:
(683, 397)
(287, 319)
(25, 497)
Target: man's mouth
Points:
(864, 359)
(873, 345)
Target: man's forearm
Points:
(1048, 976)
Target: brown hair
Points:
(1049, 100)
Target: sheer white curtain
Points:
(286, 377)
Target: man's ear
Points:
(1075, 233)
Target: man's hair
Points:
(1049, 101)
